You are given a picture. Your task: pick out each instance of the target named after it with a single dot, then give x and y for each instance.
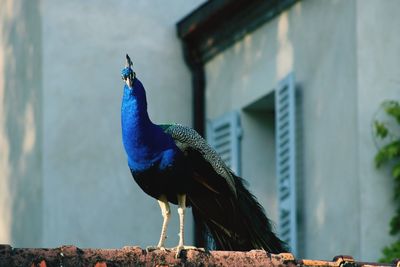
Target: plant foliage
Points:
(389, 154)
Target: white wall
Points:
(378, 78)
(64, 177)
(252, 68)
(330, 48)
(90, 198)
(20, 123)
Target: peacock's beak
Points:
(129, 82)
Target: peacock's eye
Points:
(126, 72)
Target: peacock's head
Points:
(127, 74)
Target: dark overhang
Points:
(214, 26)
(217, 24)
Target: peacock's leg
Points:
(181, 212)
(166, 213)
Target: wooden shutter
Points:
(286, 160)
(224, 135)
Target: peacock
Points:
(174, 164)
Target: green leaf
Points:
(395, 224)
(396, 171)
(397, 191)
(387, 153)
(393, 109)
(380, 129)
(391, 253)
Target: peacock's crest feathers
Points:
(186, 137)
(127, 74)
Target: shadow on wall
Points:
(20, 123)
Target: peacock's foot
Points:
(179, 249)
(153, 248)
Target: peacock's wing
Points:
(222, 206)
(207, 163)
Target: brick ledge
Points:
(135, 256)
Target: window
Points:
(224, 135)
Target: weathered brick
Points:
(135, 256)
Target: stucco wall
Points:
(90, 198)
(325, 66)
(378, 77)
(328, 45)
(20, 123)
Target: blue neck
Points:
(144, 141)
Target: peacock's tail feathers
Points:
(235, 223)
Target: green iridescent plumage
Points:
(187, 138)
